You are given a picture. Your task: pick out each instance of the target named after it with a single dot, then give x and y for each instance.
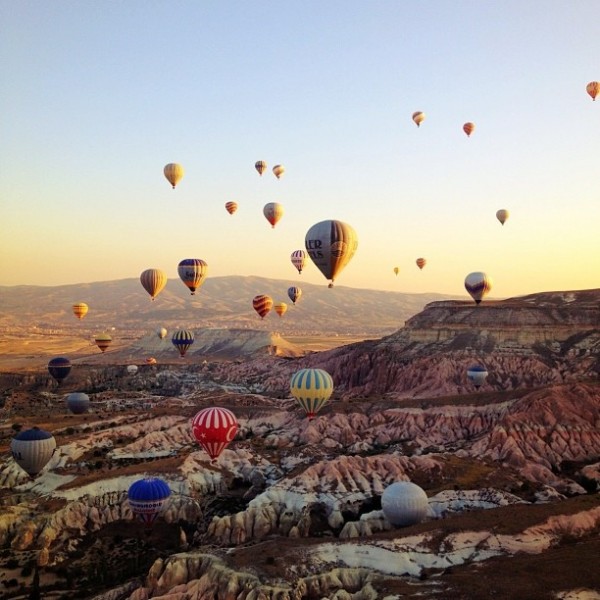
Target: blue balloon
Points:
(147, 497)
(59, 368)
(78, 402)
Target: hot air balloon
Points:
(311, 388)
(80, 309)
(59, 368)
(78, 403)
(260, 166)
(478, 285)
(469, 128)
(592, 88)
(418, 117)
(153, 280)
(32, 449)
(421, 262)
(278, 171)
(404, 503)
(396, 270)
(182, 340)
(273, 212)
(280, 308)
(330, 245)
(502, 215)
(214, 428)
(174, 173)
(231, 207)
(147, 497)
(192, 272)
(132, 369)
(294, 293)
(262, 304)
(298, 258)
(477, 374)
(151, 360)
(103, 341)
(161, 332)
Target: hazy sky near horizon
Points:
(98, 96)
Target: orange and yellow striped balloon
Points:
(262, 304)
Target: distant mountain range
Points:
(222, 302)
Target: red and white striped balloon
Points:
(214, 428)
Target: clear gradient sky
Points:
(97, 97)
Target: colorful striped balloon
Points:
(153, 281)
(80, 309)
(32, 449)
(214, 428)
(262, 304)
(182, 340)
(192, 271)
(311, 388)
(421, 262)
(231, 207)
(298, 258)
(260, 166)
(280, 308)
(103, 341)
(294, 293)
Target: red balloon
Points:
(214, 428)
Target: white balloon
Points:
(404, 503)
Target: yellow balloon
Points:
(80, 309)
(278, 171)
(174, 173)
(396, 270)
(280, 308)
(418, 117)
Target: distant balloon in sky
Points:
(182, 340)
(331, 245)
(418, 117)
(294, 293)
(592, 88)
(59, 368)
(231, 207)
(132, 369)
(477, 374)
(478, 284)
(502, 215)
(404, 503)
(421, 262)
(161, 332)
(153, 281)
(311, 388)
(103, 341)
(278, 171)
(262, 304)
(396, 270)
(298, 258)
(469, 128)
(174, 173)
(78, 402)
(147, 498)
(280, 308)
(260, 166)
(80, 309)
(192, 272)
(273, 212)
(32, 449)
(214, 428)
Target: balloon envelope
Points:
(78, 403)
(280, 308)
(260, 166)
(331, 245)
(311, 388)
(502, 215)
(294, 293)
(132, 369)
(404, 503)
(147, 497)
(478, 285)
(103, 341)
(418, 117)
(273, 212)
(192, 271)
(298, 258)
(153, 281)
(174, 173)
(161, 332)
(80, 309)
(469, 128)
(421, 262)
(32, 449)
(278, 171)
(477, 375)
(592, 88)
(214, 428)
(182, 340)
(59, 368)
(396, 270)
(262, 304)
(231, 207)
